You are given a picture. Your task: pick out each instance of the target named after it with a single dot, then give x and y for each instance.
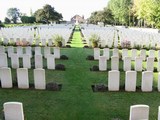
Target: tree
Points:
(39, 15)
(107, 16)
(47, 14)
(13, 14)
(147, 12)
(120, 10)
(93, 18)
(27, 19)
(7, 20)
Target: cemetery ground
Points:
(76, 100)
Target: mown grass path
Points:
(76, 38)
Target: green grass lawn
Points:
(76, 100)
(77, 39)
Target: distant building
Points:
(78, 18)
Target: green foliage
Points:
(120, 10)
(93, 18)
(7, 20)
(47, 14)
(13, 14)
(26, 19)
(129, 12)
(1, 25)
(94, 38)
(117, 11)
(58, 39)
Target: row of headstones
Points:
(141, 112)
(113, 79)
(14, 111)
(28, 51)
(22, 78)
(115, 52)
(38, 59)
(130, 81)
(138, 66)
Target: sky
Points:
(68, 8)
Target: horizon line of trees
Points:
(141, 13)
(46, 14)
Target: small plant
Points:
(53, 86)
(94, 39)
(64, 57)
(90, 57)
(126, 44)
(60, 67)
(58, 39)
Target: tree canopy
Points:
(26, 19)
(13, 14)
(47, 14)
(129, 12)
(7, 20)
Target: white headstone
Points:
(5, 41)
(47, 51)
(26, 61)
(143, 54)
(50, 62)
(138, 64)
(115, 52)
(113, 80)
(39, 79)
(2, 49)
(13, 111)
(106, 53)
(22, 78)
(6, 77)
(20, 51)
(15, 61)
(43, 42)
(57, 52)
(3, 60)
(159, 113)
(127, 64)
(29, 51)
(38, 61)
(147, 81)
(130, 80)
(96, 53)
(134, 54)
(139, 112)
(38, 51)
(124, 53)
(152, 53)
(50, 43)
(114, 63)
(102, 63)
(150, 64)
(10, 51)
(37, 41)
